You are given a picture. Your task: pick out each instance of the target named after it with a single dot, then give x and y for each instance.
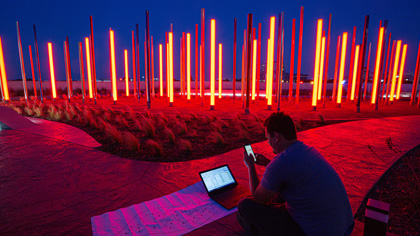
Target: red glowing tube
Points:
(386, 67)
(168, 87)
(188, 66)
(327, 57)
(349, 84)
(52, 74)
(82, 73)
(66, 62)
(395, 71)
(196, 60)
(267, 80)
(299, 55)
(342, 64)
(112, 60)
(400, 79)
(234, 59)
(355, 63)
(22, 65)
(415, 80)
(171, 69)
(32, 69)
(254, 69)
(133, 46)
(258, 60)
(292, 60)
(321, 66)
(317, 57)
(377, 65)
(3, 75)
(220, 70)
(127, 90)
(367, 72)
(389, 80)
(203, 61)
(152, 69)
(201, 77)
(88, 66)
(160, 71)
(212, 59)
(337, 56)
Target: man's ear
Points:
(276, 136)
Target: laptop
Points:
(222, 186)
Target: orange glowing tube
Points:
(3, 74)
(171, 69)
(317, 57)
(188, 66)
(321, 68)
(160, 71)
(400, 79)
(342, 64)
(355, 63)
(167, 70)
(394, 72)
(127, 91)
(212, 59)
(377, 65)
(267, 80)
(89, 73)
(50, 57)
(270, 61)
(220, 70)
(254, 68)
(113, 73)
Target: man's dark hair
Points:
(281, 123)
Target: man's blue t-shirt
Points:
(314, 193)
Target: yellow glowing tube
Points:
(267, 82)
(394, 72)
(342, 64)
(321, 68)
(353, 83)
(113, 73)
(404, 52)
(254, 68)
(3, 74)
(212, 59)
(220, 70)
(160, 71)
(188, 66)
(89, 73)
(127, 91)
(270, 61)
(317, 56)
(51, 60)
(377, 65)
(171, 68)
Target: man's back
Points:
(314, 193)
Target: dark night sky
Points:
(57, 19)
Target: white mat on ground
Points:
(174, 214)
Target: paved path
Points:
(49, 186)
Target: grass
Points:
(155, 147)
(216, 138)
(148, 127)
(185, 145)
(169, 134)
(131, 142)
(113, 133)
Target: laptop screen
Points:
(217, 178)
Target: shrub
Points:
(28, 111)
(148, 127)
(180, 126)
(106, 116)
(169, 134)
(38, 111)
(321, 119)
(244, 134)
(112, 133)
(17, 109)
(216, 127)
(185, 145)
(155, 147)
(216, 138)
(207, 119)
(137, 126)
(241, 124)
(131, 142)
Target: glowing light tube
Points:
(3, 74)
(188, 66)
(377, 65)
(254, 68)
(160, 71)
(342, 64)
(127, 90)
(395, 71)
(171, 68)
(270, 61)
(400, 78)
(112, 60)
(133, 52)
(32, 70)
(52, 75)
(267, 80)
(212, 59)
(88, 66)
(355, 63)
(337, 56)
(220, 70)
(317, 57)
(321, 68)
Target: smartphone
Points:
(248, 150)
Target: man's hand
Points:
(249, 160)
(261, 160)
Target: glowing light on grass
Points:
(160, 71)
(171, 68)
(52, 74)
(112, 60)
(355, 63)
(400, 79)
(395, 71)
(89, 72)
(254, 68)
(3, 74)
(377, 65)
(127, 90)
(342, 64)
(212, 59)
(317, 57)
(321, 68)
(220, 70)
(188, 66)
